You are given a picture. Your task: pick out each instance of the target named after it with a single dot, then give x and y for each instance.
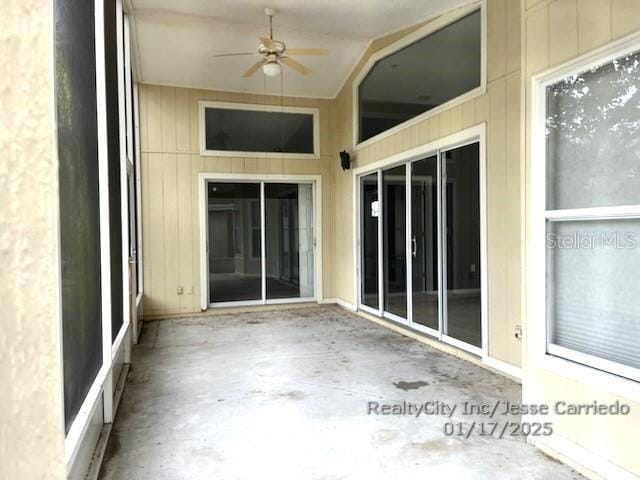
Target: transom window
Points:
(421, 76)
(235, 129)
(592, 215)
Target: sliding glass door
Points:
(420, 246)
(462, 246)
(261, 243)
(235, 242)
(369, 245)
(394, 241)
(424, 243)
(289, 240)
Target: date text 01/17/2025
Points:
(497, 429)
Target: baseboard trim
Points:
(499, 367)
(504, 367)
(584, 461)
(338, 301)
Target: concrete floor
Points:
(283, 394)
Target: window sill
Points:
(608, 383)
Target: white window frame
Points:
(314, 180)
(600, 373)
(314, 112)
(476, 134)
(430, 27)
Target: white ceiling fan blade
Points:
(219, 55)
(297, 66)
(268, 43)
(254, 68)
(307, 51)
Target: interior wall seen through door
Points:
(234, 239)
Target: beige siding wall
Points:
(170, 166)
(31, 419)
(554, 32)
(500, 109)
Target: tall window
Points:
(592, 215)
(424, 75)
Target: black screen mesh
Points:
(113, 136)
(75, 83)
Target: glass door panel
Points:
(234, 242)
(369, 214)
(394, 240)
(461, 211)
(424, 242)
(289, 240)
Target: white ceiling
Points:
(175, 41)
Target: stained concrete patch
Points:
(406, 386)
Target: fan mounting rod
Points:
(270, 12)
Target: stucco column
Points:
(31, 422)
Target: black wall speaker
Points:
(345, 160)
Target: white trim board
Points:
(257, 107)
(204, 177)
(436, 24)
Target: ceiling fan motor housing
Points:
(279, 50)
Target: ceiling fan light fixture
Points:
(271, 69)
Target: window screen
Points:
(439, 67)
(75, 89)
(239, 130)
(593, 263)
(113, 138)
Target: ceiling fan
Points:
(275, 53)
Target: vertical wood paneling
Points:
(497, 228)
(145, 184)
(154, 120)
(513, 216)
(169, 127)
(168, 102)
(482, 108)
(185, 232)
(155, 254)
(496, 38)
(142, 115)
(445, 123)
(456, 119)
(197, 166)
(537, 35)
(563, 30)
(182, 121)
(513, 36)
(170, 234)
(194, 123)
(625, 17)
(468, 114)
(594, 23)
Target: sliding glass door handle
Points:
(414, 247)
